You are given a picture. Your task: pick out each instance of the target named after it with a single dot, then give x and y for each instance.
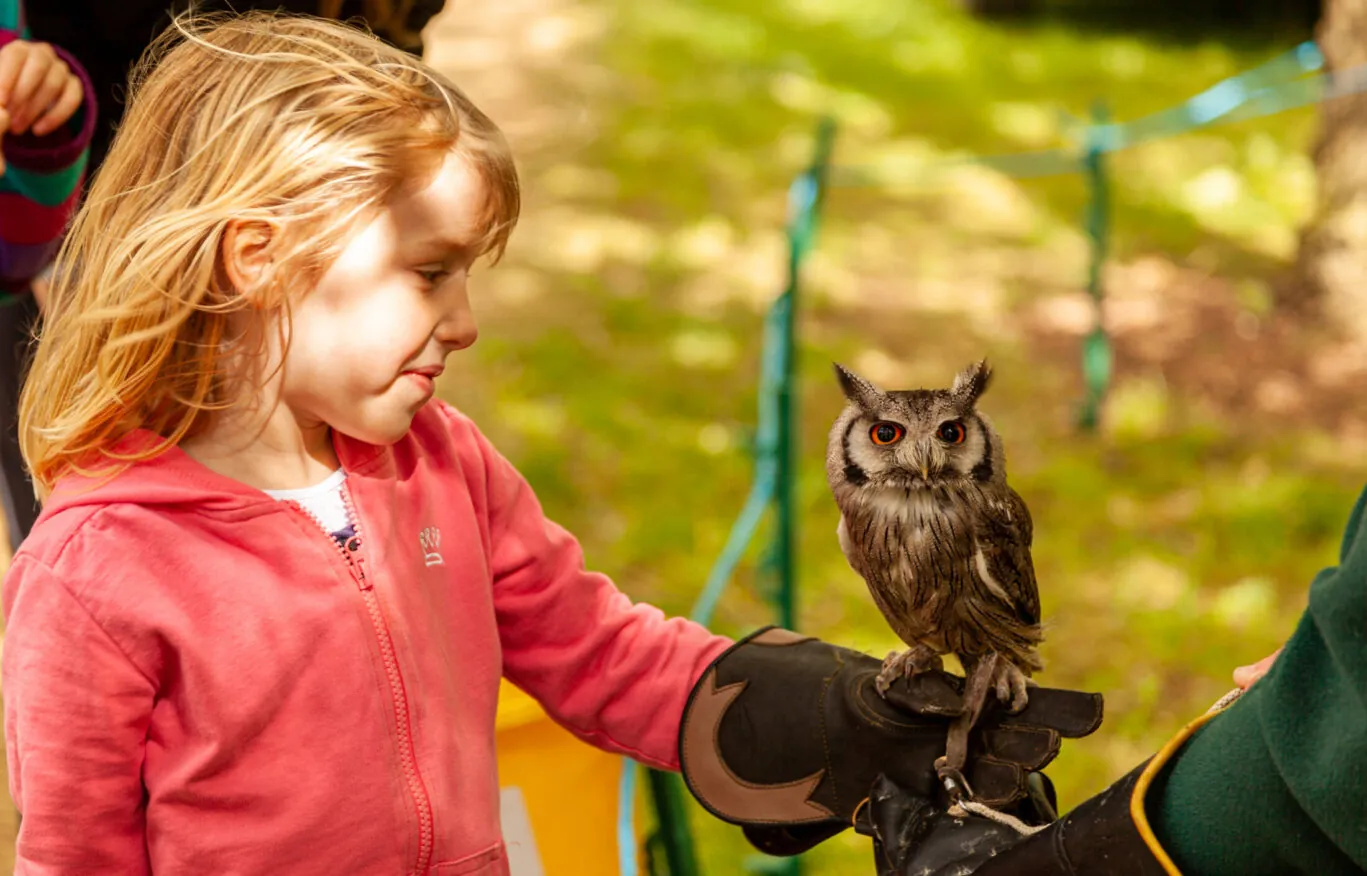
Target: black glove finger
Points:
(928, 693)
(1073, 713)
(914, 836)
(1031, 747)
(1043, 798)
(896, 819)
(783, 840)
(1004, 785)
(996, 783)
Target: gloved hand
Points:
(912, 835)
(785, 735)
(1098, 838)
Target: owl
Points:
(929, 522)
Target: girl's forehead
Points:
(449, 206)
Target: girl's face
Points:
(368, 342)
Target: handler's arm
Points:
(1274, 784)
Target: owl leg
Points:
(915, 660)
(1011, 683)
(979, 683)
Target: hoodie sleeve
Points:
(76, 718)
(41, 185)
(614, 673)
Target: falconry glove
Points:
(912, 835)
(1098, 838)
(785, 734)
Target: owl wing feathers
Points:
(1003, 533)
(842, 535)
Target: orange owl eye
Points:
(886, 433)
(951, 432)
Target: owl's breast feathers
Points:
(949, 566)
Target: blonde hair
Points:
(292, 120)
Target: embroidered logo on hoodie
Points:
(430, 539)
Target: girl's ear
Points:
(247, 254)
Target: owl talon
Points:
(912, 661)
(1011, 686)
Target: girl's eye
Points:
(951, 432)
(886, 433)
(433, 276)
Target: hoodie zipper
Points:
(355, 560)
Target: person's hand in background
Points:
(38, 90)
(1244, 676)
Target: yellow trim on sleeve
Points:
(1141, 788)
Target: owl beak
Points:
(923, 457)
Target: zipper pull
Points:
(352, 549)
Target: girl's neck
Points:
(262, 442)
(281, 454)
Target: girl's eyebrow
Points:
(443, 244)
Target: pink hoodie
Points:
(198, 680)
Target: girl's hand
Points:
(37, 89)
(1244, 676)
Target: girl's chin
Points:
(381, 431)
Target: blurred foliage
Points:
(621, 335)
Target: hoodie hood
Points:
(174, 478)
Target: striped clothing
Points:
(43, 177)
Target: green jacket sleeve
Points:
(1277, 783)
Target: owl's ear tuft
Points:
(971, 382)
(856, 388)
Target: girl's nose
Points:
(458, 330)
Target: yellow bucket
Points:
(559, 794)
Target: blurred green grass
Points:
(621, 337)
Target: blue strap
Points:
(1219, 101)
(803, 204)
(626, 822)
(1272, 87)
(1267, 88)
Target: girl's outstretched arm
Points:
(615, 673)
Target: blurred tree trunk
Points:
(1332, 269)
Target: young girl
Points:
(260, 624)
